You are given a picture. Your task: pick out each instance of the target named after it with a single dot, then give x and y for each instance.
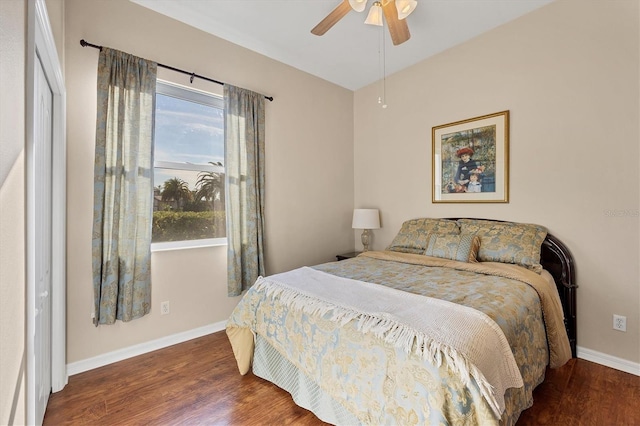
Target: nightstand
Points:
(348, 255)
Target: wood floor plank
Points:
(197, 382)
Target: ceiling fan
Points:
(395, 12)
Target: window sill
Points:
(183, 245)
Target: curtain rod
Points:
(84, 43)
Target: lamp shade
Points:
(366, 219)
(375, 15)
(405, 7)
(358, 5)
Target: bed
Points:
(454, 323)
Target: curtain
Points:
(244, 164)
(123, 187)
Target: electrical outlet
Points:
(164, 308)
(619, 322)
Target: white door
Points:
(42, 250)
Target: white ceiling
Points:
(348, 54)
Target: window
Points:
(188, 194)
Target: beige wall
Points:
(309, 161)
(569, 75)
(12, 210)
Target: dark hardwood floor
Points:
(197, 382)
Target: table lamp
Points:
(366, 219)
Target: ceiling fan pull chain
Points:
(384, 69)
(379, 65)
(382, 100)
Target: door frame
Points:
(41, 47)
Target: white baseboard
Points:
(142, 348)
(609, 360)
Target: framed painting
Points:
(470, 160)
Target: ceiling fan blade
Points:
(398, 28)
(337, 14)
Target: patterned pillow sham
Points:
(412, 237)
(507, 242)
(463, 247)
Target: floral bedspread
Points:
(381, 384)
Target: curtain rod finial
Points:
(85, 43)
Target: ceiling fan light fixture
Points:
(358, 5)
(375, 14)
(405, 7)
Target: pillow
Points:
(412, 237)
(463, 247)
(507, 242)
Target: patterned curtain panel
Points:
(244, 164)
(123, 187)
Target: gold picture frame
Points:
(470, 160)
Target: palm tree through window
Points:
(188, 196)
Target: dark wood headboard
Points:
(556, 258)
